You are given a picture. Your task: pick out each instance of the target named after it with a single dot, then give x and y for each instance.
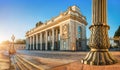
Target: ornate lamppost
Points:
(12, 49)
(99, 39)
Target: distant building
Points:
(64, 32)
(16, 46)
(20, 46)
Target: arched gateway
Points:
(64, 32)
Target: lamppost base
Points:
(99, 58)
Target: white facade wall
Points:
(68, 31)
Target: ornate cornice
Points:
(62, 17)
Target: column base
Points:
(99, 58)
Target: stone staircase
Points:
(21, 63)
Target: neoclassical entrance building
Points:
(67, 31)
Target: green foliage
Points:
(117, 33)
(20, 41)
(39, 23)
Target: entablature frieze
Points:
(67, 17)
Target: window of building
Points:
(79, 32)
(64, 44)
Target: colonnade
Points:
(45, 40)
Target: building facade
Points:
(64, 32)
(19, 46)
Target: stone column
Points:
(33, 42)
(30, 43)
(36, 41)
(49, 35)
(56, 34)
(27, 43)
(61, 41)
(52, 39)
(99, 39)
(46, 43)
(40, 41)
(73, 36)
(56, 39)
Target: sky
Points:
(19, 16)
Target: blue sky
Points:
(18, 16)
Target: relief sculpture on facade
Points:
(65, 31)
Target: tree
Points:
(117, 33)
(116, 36)
(20, 41)
(6, 42)
(39, 23)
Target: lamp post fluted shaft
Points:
(99, 39)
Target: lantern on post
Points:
(12, 49)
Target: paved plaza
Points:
(61, 54)
(4, 61)
(61, 60)
(55, 54)
(52, 60)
